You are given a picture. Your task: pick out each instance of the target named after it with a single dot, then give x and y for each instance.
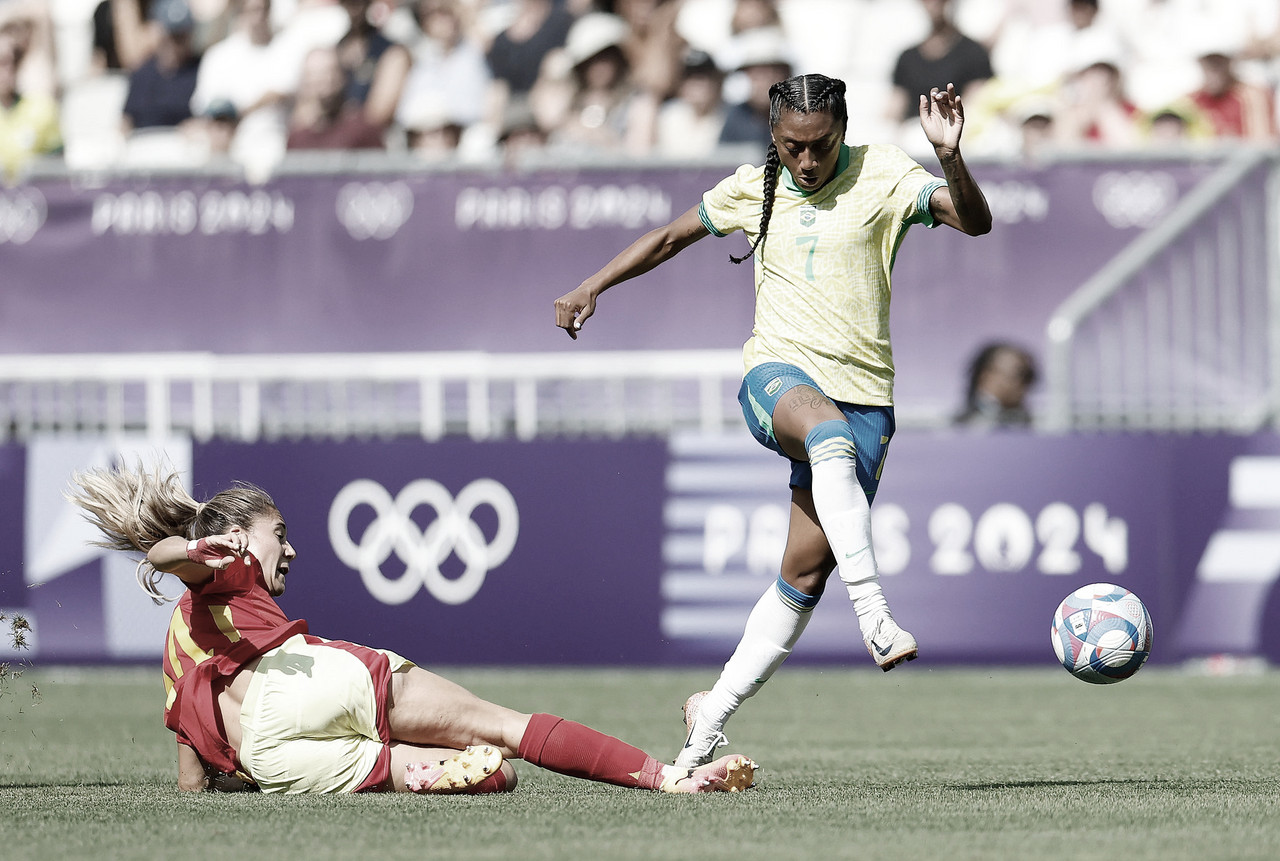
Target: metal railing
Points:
(1179, 331)
(481, 395)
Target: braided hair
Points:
(802, 94)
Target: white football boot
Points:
(889, 645)
(702, 739)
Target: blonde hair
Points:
(136, 509)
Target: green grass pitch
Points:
(919, 763)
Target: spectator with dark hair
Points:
(689, 124)
(516, 55)
(1177, 126)
(1031, 121)
(1000, 376)
(1234, 108)
(1096, 110)
(946, 56)
(221, 120)
(29, 24)
(433, 137)
(323, 118)
(521, 138)
(449, 77)
(654, 49)
(375, 66)
(160, 89)
(122, 41)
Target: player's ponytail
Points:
(135, 509)
(803, 94)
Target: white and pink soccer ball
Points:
(1102, 633)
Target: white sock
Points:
(845, 516)
(772, 629)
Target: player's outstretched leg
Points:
(570, 748)
(775, 624)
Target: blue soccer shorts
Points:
(873, 427)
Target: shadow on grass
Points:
(1033, 784)
(94, 784)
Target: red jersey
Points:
(1241, 112)
(217, 627)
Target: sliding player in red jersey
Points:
(257, 701)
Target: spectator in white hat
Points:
(585, 97)
(763, 55)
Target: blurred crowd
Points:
(177, 83)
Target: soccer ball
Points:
(1102, 633)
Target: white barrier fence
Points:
(481, 395)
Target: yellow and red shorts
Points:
(314, 717)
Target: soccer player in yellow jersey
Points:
(824, 220)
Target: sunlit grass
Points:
(955, 764)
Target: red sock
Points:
(496, 782)
(570, 748)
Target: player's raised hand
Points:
(942, 117)
(573, 309)
(218, 551)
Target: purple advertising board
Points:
(534, 557)
(978, 537)
(473, 261)
(653, 551)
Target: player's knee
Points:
(796, 415)
(829, 440)
(809, 580)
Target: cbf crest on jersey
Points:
(808, 215)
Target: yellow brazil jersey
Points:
(28, 128)
(822, 272)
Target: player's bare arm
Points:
(651, 249)
(191, 774)
(961, 204)
(195, 561)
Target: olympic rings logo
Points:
(453, 531)
(22, 212)
(374, 210)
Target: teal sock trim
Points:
(794, 598)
